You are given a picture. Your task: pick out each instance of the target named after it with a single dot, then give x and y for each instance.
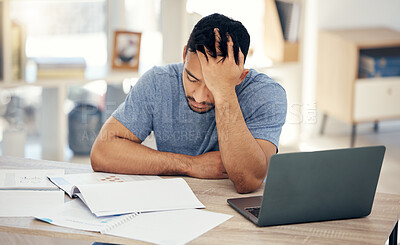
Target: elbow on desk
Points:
(245, 185)
(96, 159)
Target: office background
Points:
(38, 112)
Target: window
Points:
(64, 29)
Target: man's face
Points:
(199, 98)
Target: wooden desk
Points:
(374, 229)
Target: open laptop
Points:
(315, 186)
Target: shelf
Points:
(378, 80)
(368, 37)
(113, 77)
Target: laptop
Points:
(315, 186)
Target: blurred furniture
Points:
(373, 229)
(340, 92)
(275, 46)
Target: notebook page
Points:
(68, 181)
(139, 196)
(74, 214)
(169, 227)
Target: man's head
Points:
(200, 99)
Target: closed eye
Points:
(191, 80)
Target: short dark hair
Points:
(203, 36)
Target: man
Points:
(211, 117)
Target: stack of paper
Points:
(167, 227)
(156, 210)
(26, 192)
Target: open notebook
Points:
(166, 227)
(67, 182)
(138, 196)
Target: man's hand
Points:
(221, 76)
(208, 166)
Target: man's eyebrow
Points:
(190, 74)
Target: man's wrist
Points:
(225, 97)
(187, 163)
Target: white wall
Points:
(358, 13)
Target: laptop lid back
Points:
(323, 185)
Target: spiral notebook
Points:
(165, 227)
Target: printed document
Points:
(27, 179)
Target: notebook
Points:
(137, 196)
(67, 182)
(315, 186)
(166, 227)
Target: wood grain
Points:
(374, 229)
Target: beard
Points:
(209, 105)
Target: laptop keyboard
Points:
(254, 211)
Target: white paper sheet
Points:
(169, 227)
(68, 181)
(139, 196)
(74, 214)
(27, 179)
(22, 203)
(166, 227)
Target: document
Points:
(25, 203)
(166, 227)
(67, 182)
(138, 196)
(27, 179)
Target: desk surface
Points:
(374, 229)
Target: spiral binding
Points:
(118, 222)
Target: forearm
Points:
(243, 158)
(120, 155)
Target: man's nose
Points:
(201, 93)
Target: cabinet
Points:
(275, 46)
(340, 92)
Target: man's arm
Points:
(118, 150)
(244, 157)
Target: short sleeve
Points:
(136, 113)
(264, 110)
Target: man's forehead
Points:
(192, 63)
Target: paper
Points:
(74, 214)
(32, 179)
(167, 227)
(139, 196)
(23, 203)
(68, 181)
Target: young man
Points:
(211, 117)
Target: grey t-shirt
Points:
(158, 103)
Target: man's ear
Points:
(243, 76)
(184, 53)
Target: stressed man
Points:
(211, 117)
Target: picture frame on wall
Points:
(126, 51)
